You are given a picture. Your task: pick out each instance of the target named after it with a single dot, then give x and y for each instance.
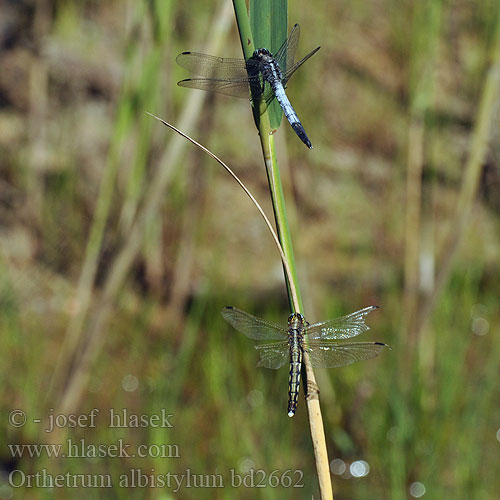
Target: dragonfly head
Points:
(262, 54)
(295, 320)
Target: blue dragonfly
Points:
(261, 77)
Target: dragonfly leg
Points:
(312, 391)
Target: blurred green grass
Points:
(72, 104)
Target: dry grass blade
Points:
(315, 418)
(247, 192)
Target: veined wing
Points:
(286, 53)
(273, 355)
(344, 327)
(212, 66)
(222, 75)
(332, 354)
(234, 88)
(292, 69)
(253, 327)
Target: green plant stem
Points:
(424, 58)
(89, 333)
(309, 381)
(486, 116)
(279, 209)
(284, 234)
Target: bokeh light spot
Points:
(255, 398)
(245, 465)
(417, 489)
(130, 383)
(338, 466)
(480, 326)
(359, 468)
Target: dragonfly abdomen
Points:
(294, 379)
(295, 338)
(290, 113)
(272, 73)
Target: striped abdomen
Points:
(295, 338)
(294, 378)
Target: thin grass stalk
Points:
(147, 93)
(427, 24)
(416, 133)
(309, 381)
(245, 189)
(314, 411)
(123, 126)
(486, 115)
(86, 279)
(88, 342)
(148, 96)
(38, 112)
(284, 234)
(425, 40)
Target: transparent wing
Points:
(292, 69)
(344, 327)
(253, 327)
(286, 53)
(212, 66)
(234, 88)
(222, 75)
(333, 355)
(273, 355)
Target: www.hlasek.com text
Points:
(82, 449)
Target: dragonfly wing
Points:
(293, 68)
(344, 327)
(234, 88)
(273, 355)
(286, 53)
(333, 355)
(212, 66)
(253, 327)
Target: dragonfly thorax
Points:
(268, 67)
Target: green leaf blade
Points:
(269, 23)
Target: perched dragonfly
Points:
(318, 340)
(261, 77)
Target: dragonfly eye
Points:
(295, 318)
(261, 53)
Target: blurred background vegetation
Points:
(120, 244)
